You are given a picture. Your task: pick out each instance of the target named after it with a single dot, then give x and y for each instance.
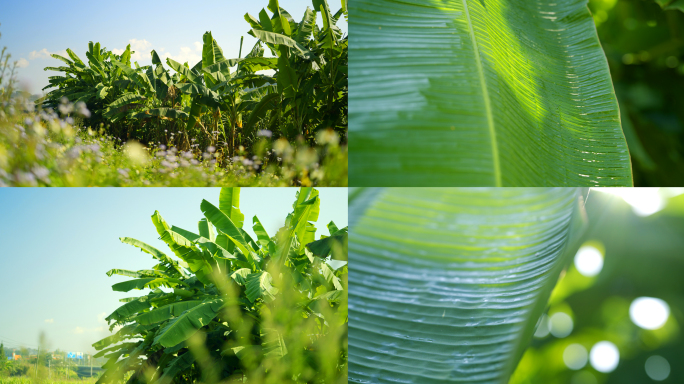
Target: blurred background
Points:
(644, 43)
(616, 314)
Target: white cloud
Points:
(79, 330)
(50, 321)
(45, 54)
(198, 46)
(186, 55)
(22, 63)
(141, 48)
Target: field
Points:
(277, 119)
(29, 380)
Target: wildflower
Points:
(42, 173)
(122, 172)
(264, 133)
(25, 178)
(82, 109)
(328, 137)
(211, 149)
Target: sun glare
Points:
(644, 201)
(588, 261)
(604, 356)
(649, 312)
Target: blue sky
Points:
(32, 29)
(58, 244)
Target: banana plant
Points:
(157, 330)
(312, 68)
(447, 285)
(97, 84)
(482, 93)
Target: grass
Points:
(31, 380)
(41, 148)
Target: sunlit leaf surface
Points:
(446, 285)
(481, 93)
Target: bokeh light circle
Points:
(657, 368)
(649, 312)
(561, 324)
(604, 356)
(588, 261)
(542, 327)
(575, 356)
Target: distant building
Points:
(16, 357)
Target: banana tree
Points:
(312, 68)
(97, 84)
(212, 87)
(482, 93)
(221, 290)
(447, 285)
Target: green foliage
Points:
(38, 148)
(644, 48)
(478, 93)
(266, 311)
(204, 104)
(448, 284)
(642, 257)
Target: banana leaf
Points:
(481, 93)
(447, 285)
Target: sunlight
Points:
(604, 356)
(588, 261)
(644, 201)
(649, 312)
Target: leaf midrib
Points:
(485, 96)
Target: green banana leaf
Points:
(185, 325)
(166, 312)
(225, 225)
(481, 93)
(179, 364)
(128, 309)
(165, 113)
(671, 4)
(229, 204)
(278, 39)
(258, 285)
(447, 285)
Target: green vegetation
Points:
(219, 121)
(645, 51)
(516, 93)
(28, 380)
(450, 285)
(234, 309)
(475, 93)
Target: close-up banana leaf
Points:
(513, 93)
(461, 285)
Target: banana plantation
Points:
(296, 91)
(234, 309)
